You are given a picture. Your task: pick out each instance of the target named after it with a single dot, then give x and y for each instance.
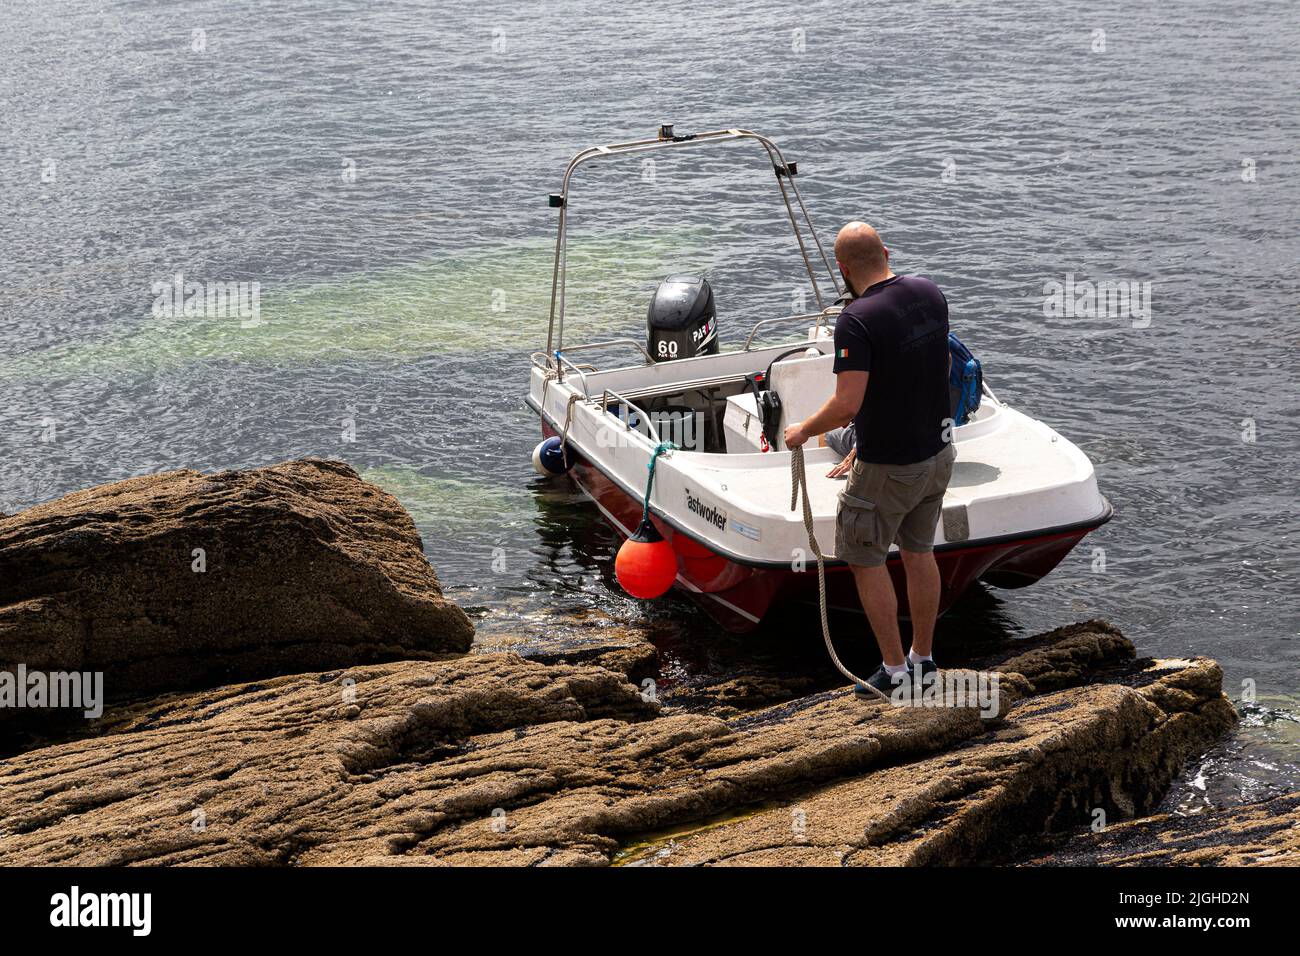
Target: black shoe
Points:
(929, 670)
(882, 684)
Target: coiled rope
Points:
(798, 484)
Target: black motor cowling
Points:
(681, 322)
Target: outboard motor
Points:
(681, 322)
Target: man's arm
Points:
(850, 389)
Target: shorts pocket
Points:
(908, 478)
(857, 519)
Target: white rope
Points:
(564, 435)
(799, 483)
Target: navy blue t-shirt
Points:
(898, 331)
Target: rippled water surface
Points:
(381, 172)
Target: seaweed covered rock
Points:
(1255, 834)
(579, 636)
(491, 759)
(350, 764)
(1047, 768)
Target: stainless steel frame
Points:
(818, 317)
(651, 428)
(649, 359)
(666, 139)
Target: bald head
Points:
(862, 257)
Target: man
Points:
(843, 441)
(891, 368)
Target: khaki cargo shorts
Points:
(882, 504)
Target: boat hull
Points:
(738, 595)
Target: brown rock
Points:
(580, 637)
(760, 670)
(1065, 657)
(1046, 768)
(1256, 834)
(491, 759)
(413, 759)
(307, 567)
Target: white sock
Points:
(892, 669)
(916, 658)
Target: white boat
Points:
(1021, 496)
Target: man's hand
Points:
(794, 435)
(843, 467)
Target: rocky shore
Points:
(310, 698)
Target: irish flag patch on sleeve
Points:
(842, 353)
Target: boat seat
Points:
(804, 385)
(740, 425)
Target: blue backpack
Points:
(965, 381)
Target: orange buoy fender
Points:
(646, 565)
